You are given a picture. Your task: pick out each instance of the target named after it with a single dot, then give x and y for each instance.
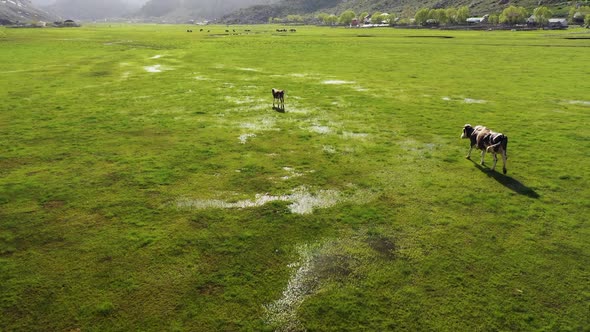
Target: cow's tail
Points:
(505, 145)
(503, 142)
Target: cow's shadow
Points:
(280, 109)
(508, 182)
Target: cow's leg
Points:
(483, 154)
(469, 153)
(504, 157)
(495, 160)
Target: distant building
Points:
(557, 23)
(478, 20)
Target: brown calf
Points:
(279, 96)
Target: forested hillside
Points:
(309, 8)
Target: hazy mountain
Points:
(185, 10)
(94, 9)
(13, 11)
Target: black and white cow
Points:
(487, 141)
(279, 96)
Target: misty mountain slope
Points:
(13, 11)
(261, 14)
(91, 9)
(185, 10)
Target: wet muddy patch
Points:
(463, 100)
(352, 135)
(248, 69)
(303, 200)
(293, 173)
(474, 101)
(320, 129)
(336, 261)
(243, 100)
(244, 137)
(578, 102)
(155, 68)
(337, 82)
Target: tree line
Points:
(511, 15)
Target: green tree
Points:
(294, 18)
(542, 15)
(451, 14)
(346, 17)
(332, 19)
(376, 18)
(323, 17)
(362, 17)
(440, 15)
(494, 19)
(422, 16)
(391, 19)
(513, 15)
(462, 14)
(578, 15)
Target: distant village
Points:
(42, 24)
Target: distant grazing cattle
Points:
(487, 141)
(279, 96)
(293, 30)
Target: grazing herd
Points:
(245, 30)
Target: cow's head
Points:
(467, 131)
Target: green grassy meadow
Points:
(147, 184)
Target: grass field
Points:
(147, 184)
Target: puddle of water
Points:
(337, 82)
(244, 137)
(292, 173)
(320, 129)
(347, 134)
(248, 69)
(263, 125)
(579, 102)
(303, 201)
(153, 69)
(329, 149)
(474, 101)
(303, 283)
(243, 100)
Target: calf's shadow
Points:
(508, 182)
(279, 109)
